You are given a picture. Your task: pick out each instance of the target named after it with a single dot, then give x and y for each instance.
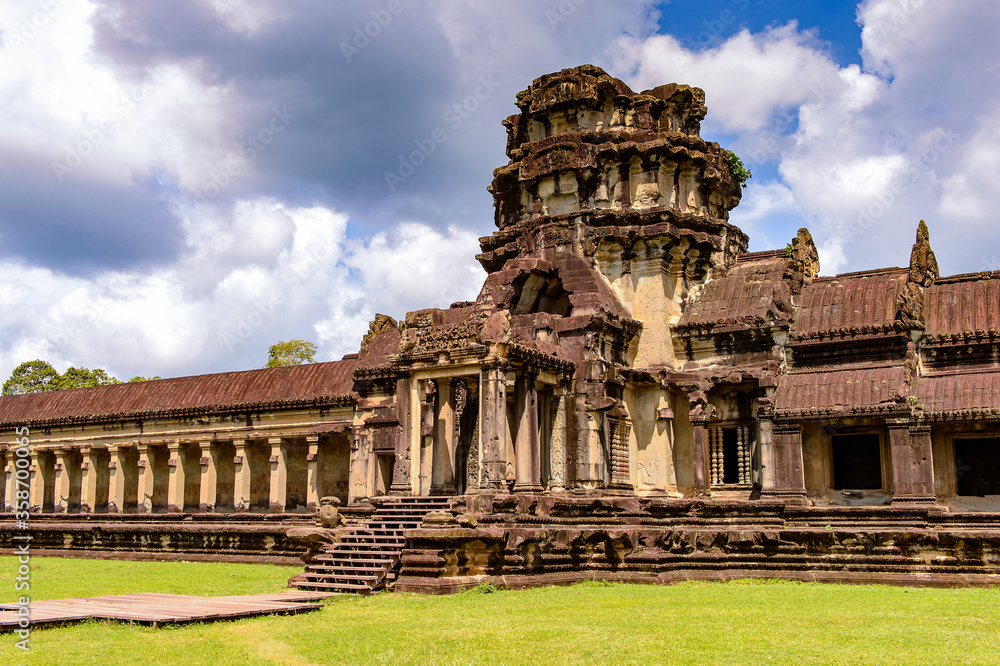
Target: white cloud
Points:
(863, 152)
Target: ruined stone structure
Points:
(627, 363)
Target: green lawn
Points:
(694, 623)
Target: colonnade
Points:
(276, 475)
(495, 430)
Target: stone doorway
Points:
(977, 466)
(857, 462)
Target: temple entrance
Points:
(857, 462)
(466, 433)
(977, 466)
(383, 473)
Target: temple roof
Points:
(964, 304)
(851, 303)
(752, 293)
(841, 391)
(269, 388)
(970, 393)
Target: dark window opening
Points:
(730, 456)
(977, 466)
(540, 293)
(857, 462)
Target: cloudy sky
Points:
(185, 182)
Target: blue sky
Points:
(183, 184)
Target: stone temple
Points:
(632, 396)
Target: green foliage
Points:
(740, 173)
(81, 378)
(30, 377)
(598, 583)
(483, 588)
(788, 250)
(36, 376)
(291, 352)
(137, 378)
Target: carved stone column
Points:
(10, 472)
(401, 472)
(88, 499)
(789, 478)
(209, 488)
(526, 446)
(557, 445)
(38, 476)
(116, 480)
(243, 477)
(493, 405)
(279, 475)
(314, 467)
(175, 478)
(442, 475)
(699, 451)
(427, 430)
(765, 415)
(62, 499)
(618, 434)
(912, 463)
(145, 492)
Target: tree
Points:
(81, 378)
(138, 378)
(30, 377)
(291, 352)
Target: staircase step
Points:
(337, 586)
(345, 567)
(366, 558)
(327, 577)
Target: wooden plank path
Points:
(159, 609)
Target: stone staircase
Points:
(367, 559)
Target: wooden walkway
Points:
(160, 609)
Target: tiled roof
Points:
(971, 393)
(964, 304)
(753, 293)
(850, 304)
(840, 391)
(323, 383)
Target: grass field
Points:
(693, 623)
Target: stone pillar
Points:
(401, 472)
(314, 468)
(145, 491)
(789, 478)
(38, 474)
(116, 481)
(62, 482)
(10, 472)
(493, 406)
(209, 487)
(765, 414)
(557, 445)
(427, 428)
(175, 479)
(279, 475)
(88, 499)
(591, 471)
(699, 454)
(443, 473)
(526, 446)
(241, 486)
(912, 463)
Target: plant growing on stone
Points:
(740, 173)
